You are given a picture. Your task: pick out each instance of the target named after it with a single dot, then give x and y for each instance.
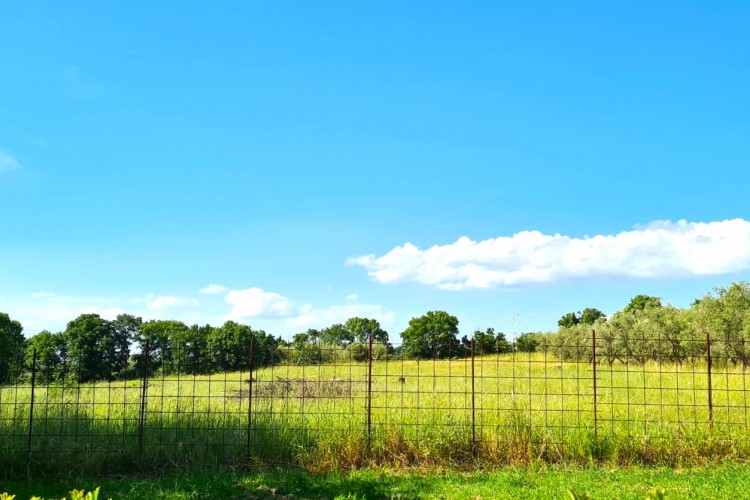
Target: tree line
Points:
(648, 330)
(93, 348)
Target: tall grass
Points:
(526, 408)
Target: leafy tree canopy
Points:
(568, 320)
(12, 344)
(641, 302)
(588, 316)
(591, 315)
(432, 334)
(362, 328)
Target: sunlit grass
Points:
(524, 408)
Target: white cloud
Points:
(8, 162)
(213, 288)
(52, 311)
(48, 310)
(352, 296)
(309, 316)
(662, 249)
(282, 315)
(161, 302)
(261, 304)
(258, 303)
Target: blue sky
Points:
(287, 153)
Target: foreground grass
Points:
(722, 481)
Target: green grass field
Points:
(723, 481)
(526, 408)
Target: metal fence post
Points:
(250, 401)
(593, 364)
(144, 394)
(31, 403)
(473, 406)
(710, 388)
(369, 392)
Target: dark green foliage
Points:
(311, 336)
(229, 347)
(642, 302)
(126, 328)
(308, 348)
(502, 346)
(591, 315)
(527, 342)
(357, 352)
(588, 316)
(354, 330)
(189, 348)
(485, 342)
(568, 320)
(362, 328)
(92, 346)
(266, 350)
(12, 344)
(51, 355)
(156, 339)
(432, 335)
(337, 334)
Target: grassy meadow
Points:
(728, 480)
(527, 408)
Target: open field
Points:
(523, 408)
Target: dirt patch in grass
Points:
(304, 388)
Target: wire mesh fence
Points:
(333, 406)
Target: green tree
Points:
(432, 334)
(155, 339)
(725, 317)
(229, 347)
(641, 302)
(266, 351)
(125, 329)
(337, 334)
(12, 345)
(485, 342)
(591, 315)
(307, 348)
(527, 342)
(190, 352)
(674, 337)
(568, 320)
(502, 346)
(51, 355)
(88, 338)
(362, 328)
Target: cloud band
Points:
(662, 249)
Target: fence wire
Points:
(371, 403)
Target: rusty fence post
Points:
(31, 403)
(710, 387)
(144, 395)
(369, 393)
(593, 364)
(250, 400)
(473, 405)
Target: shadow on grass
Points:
(287, 483)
